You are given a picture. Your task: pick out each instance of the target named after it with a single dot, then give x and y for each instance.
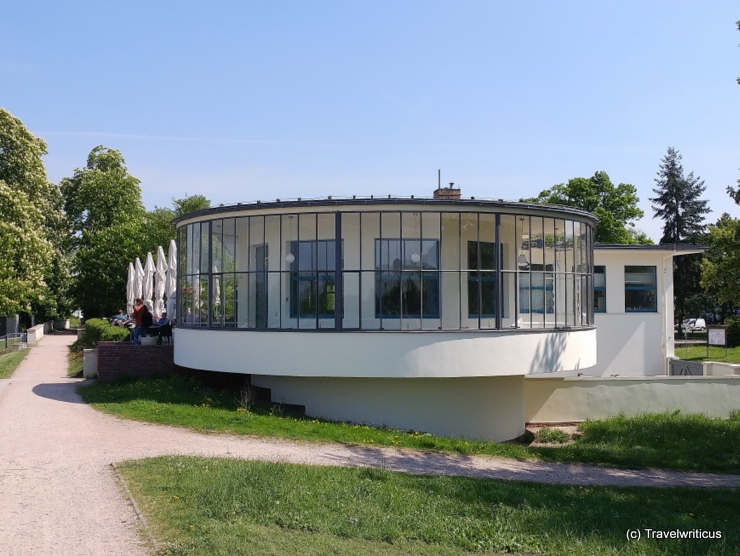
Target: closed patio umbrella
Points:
(138, 279)
(170, 283)
(148, 288)
(159, 277)
(130, 289)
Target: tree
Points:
(101, 194)
(31, 256)
(720, 270)
(678, 203)
(158, 222)
(25, 252)
(103, 203)
(615, 206)
(189, 203)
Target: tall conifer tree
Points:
(679, 204)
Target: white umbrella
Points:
(148, 289)
(170, 281)
(138, 279)
(159, 278)
(130, 289)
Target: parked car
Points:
(694, 325)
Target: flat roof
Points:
(373, 200)
(688, 248)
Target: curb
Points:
(142, 520)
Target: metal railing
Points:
(11, 342)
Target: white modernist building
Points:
(421, 314)
(633, 305)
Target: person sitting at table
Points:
(162, 320)
(121, 315)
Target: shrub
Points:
(552, 436)
(733, 331)
(99, 330)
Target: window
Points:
(640, 290)
(312, 278)
(600, 289)
(540, 286)
(481, 255)
(406, 278)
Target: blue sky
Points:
(250, 100)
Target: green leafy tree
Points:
(158, 222)
(102, 193)
(32, 252)
(189, 203)
(103, 203)
(614, 205)
(26, 253)
(679, 204)
(721, 268)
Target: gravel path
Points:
(58, 492)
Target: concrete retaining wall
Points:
(557, 400)
(35, 333)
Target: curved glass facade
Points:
(405, 268)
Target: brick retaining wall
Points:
(116, 359)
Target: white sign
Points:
(717, 336)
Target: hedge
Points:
(99, 330)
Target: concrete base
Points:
(90, 363)
(553, 400)
(482, 407)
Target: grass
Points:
(699, 353)
(74, 363)
(549, 435)
(659, 440)
(10, 361)
(218, 507)
(665, 440)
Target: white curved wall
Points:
(385, 354)
(487, 407)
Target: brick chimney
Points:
(449, 193)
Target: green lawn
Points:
(9, 362)
(225, 507)
(699, 353)
(671, 441)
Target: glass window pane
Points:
(508, 242)
(229, 307)
(204, 259)
(370, 224)
(450, 241)
(242, 244)
(640, 289)
(229, 236)
(351, 240)
(548, 231)
(351, 300)
(217, 250)
(536, 243)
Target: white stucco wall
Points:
(634, 344)
(490, 408)
(552, 400)
(385, 354)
